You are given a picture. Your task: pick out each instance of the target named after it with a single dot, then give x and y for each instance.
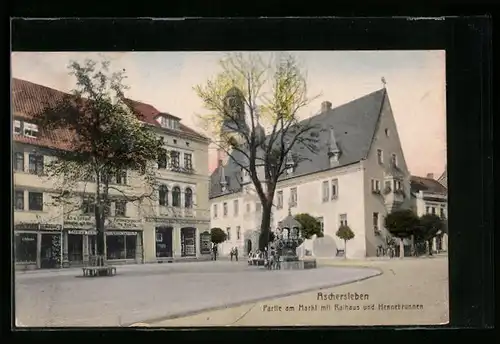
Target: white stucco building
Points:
(430, 196)
(356, 178)
(166, 227)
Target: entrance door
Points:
(75, 249)
(50, 253)
(92, 245)
(249, 246)
(164, 242)
(188, 242)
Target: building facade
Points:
(172, 225)
(356, 177)
(429, 196)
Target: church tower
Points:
(234, 123)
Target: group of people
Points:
(270, 259)
(234, 253)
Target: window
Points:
(36, 164)
(279, 199)
(380, 156)
(397, 185)
(248, 207)
(163, 195)
(387, 132)
(188, 161)
(293, 197)
(388, 184)
(19, 200)
(258, 207)
(343, 219)
(121, 177)
(442, 213)
(175, 141)
(174, 156)
(187, 143)
(375, 221)
(17, 127)
(30, 129)
(427, 209)
(176, 197)
(163, 160)
(224, 209)
(228, 231)
(19, 161)
(335, 188)
(321, 223)
(238, 232)
(326, 191)
(394, 160)
(88, 207)
(120, 208)
(188, 198)
(236, 206)
(163, 121)
(375, 185)
(215, 211)
(35, 201)
(433, 210)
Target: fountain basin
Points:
(300, 264)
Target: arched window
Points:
(163, 195)
(188, 198)
(176, 197)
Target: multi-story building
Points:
(356, 177)
(429, 196)
(50, 234)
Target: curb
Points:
(148, 322)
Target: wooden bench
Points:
(98, 267)
(93, 271)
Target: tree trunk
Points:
(345, 249)
(401, 248)
(265, 225)
(429, 243)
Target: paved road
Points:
(422, 282)
(147, 292)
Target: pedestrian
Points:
(215, 252)
(236, 253)
(231, 253)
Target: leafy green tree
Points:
(401, 224)
(345, 233)
(430, 226)
(310, 226)
(107, 142)
(217, 235)
(269, 95)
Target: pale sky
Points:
(415, 83)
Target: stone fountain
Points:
(288, 238)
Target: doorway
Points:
(164, 242)
(50, 251)
(249, 246)
(75, 249)
(188, 242)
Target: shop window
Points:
(26, 248)
(130, 246)
(115, 246)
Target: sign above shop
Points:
(120, 233)
(124, 224)
(82, 232)
(27, 226)
(79, 221)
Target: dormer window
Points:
(25, 128)
(168, 122)
(394, 160)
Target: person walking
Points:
(231, 253)
(236, 253)
(215, 251)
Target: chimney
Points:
(325, 106)
(430, 175)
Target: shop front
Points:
(37, 246)
(124, 241)
(79, 240)
(205, 243)
(163, 240)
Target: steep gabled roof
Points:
(29, 98)
(354, 125)
(430, 185)
(443, 179)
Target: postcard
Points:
(199, 189)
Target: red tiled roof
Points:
(427, 185)
(29, 98)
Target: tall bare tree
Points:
(249, 96)
(107, 142)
